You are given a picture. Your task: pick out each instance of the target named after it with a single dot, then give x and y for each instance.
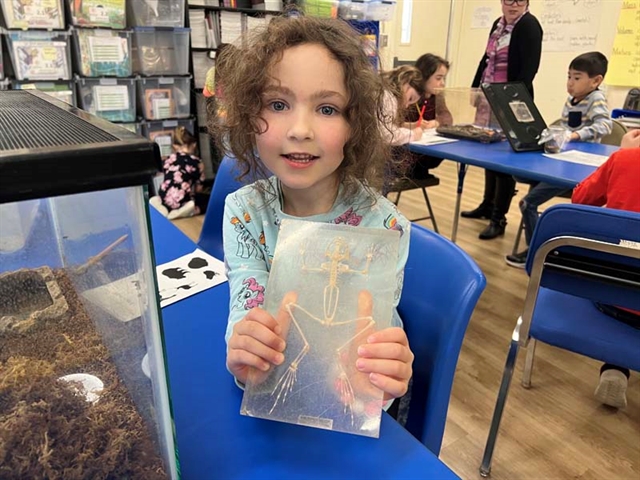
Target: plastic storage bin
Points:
(113, 99)
(381, 11)
(103, 52)
(202, 62)
(77, 283)
(133, 127)
(156, 13)
(64, 91)
(164, 97)
(98, 13)
(321, 8)
(358, 10)
(39, 55)
(162, 133)
(33, 13)
(161, 51)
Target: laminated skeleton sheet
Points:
(330, 288)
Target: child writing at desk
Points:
(586, 116)
(304, 103)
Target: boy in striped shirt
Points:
(586, 115)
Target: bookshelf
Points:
(212, 25)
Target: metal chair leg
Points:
(516, 245)
(431, 215)
(485, 467)
(397, 198)
(528, 363)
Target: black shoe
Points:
(519, 260)
(493, 230)
(481, 212)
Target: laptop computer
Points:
(518, 116)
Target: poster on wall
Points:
(483, 17)
(624, 63)
(570, 25)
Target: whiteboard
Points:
(570, 25)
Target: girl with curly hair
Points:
(304, 114)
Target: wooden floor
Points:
(556, 429)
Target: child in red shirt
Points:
(616, 184)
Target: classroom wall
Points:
(430, 23)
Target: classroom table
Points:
(501, 158)
(215, 441)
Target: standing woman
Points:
(512, 54)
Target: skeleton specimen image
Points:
(330, 287)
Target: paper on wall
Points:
(483, 17)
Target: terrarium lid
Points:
(49, 148)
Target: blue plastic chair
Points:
(578, 255)
(442, 285)
(225, 183)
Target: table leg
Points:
(462, 170)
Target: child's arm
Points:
(252, 333)
(598, 114)
(593, 189)
(386, 355)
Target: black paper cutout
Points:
(197, 262)
(176, 273)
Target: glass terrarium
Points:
(83, 381)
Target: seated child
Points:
(586, 115)
(615, 185)
(404, 87)
(183, 177)
(432, 105)
(304, 103)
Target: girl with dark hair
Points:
(183, 178)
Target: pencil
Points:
(421, 114)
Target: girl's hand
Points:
(574, 137)
(426, 125)
(257, 343)
(387, 358)
(416, 134)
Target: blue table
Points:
(215, 441)
(501, 158)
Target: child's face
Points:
(436, 80)
(579, 84)
(409, 95)
(306, 132)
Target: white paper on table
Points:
(430, 137)
(188, 275)
(575, 156)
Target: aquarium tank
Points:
(84, 391)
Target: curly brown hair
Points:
(399, 77)
(365, 152)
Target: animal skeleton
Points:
(338, 255)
